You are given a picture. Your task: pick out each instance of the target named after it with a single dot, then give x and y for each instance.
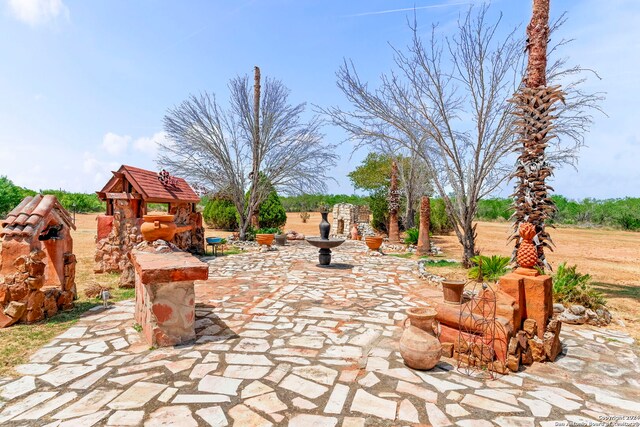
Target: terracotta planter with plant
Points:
(373, 242)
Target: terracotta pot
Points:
(157, 227)
(419, 344)
(265, 239)
(281, 239)
(452, 291)
(373, 242)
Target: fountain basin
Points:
(325, 245)
(321, 243)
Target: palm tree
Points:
(534, 102)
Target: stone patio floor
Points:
(283, 342)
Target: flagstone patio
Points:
(283, 342)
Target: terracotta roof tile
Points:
(146, 182)
(26, 218)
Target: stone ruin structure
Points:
(346, 214)
(37, 264)
(128, 195)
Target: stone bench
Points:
(165, 297)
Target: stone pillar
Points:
(165, 296)
(534, 294)
(424, 243)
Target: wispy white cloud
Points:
(408, 9)
(149, 145)
(38, 12)
(115, 144)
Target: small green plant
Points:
(304, 216)
(268, 230)
(403, 255)
(441, 263)
(137, 327)
(412, 236)
(489, 268)
(571, 287)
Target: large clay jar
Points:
(156, 227)
(265, 239)
(452, 291)
(373, 242)
(355, 234)
(419, 345)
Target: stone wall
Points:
(192, 240)
(25, 297)
(123, 235)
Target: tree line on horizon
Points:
(620, 213)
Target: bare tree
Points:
(240, 149)
(448, 103)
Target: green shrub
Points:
(492, 267)
(271, 213)
(379, 210)
(412, 236)
(571, 287)
(220, 213)
(78, 202)
(440, 222)
(10, 195)
(492, 209)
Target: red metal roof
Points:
(27, 218)
(150, 188)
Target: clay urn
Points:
(419, 345)
(373, 242)
(265, 239)
(452, 291)
(355, 234)
(156, 227)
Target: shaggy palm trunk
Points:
(534, 102)
(394, 205)
(424, 243)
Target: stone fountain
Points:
(324, 243)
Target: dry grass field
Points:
(611, 257)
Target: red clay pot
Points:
(373, 242)
(265, 239)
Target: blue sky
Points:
(84, 84)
